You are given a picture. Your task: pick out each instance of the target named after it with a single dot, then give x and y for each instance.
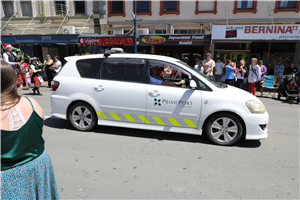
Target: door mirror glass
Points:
(193, 84)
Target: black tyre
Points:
(82, 116)
(224, 129)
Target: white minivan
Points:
(119, 90)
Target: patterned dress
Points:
(26, 167)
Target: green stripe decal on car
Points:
(173, 121)
(158, 120)
(115, 116)
(144, 119)
(101, 115)
(189, 123)
(128, 117)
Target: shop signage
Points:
(256, 32)
(175, 40)
(8, 39)
(127, 40)
(72, 38)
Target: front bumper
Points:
(256, 125)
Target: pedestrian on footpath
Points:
(26, 168)
(218, 70)
(278, 71)
(297, 80)
(240, 74)
(292, 69)
(254, 75)
(229, 73)
(211, 63)
(263, 70)
(56, 65)
(49, 70)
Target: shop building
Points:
(264, 42)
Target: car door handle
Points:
(99, 87)
(154, 93)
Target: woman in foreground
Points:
(26, 168)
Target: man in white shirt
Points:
(211, 63)
(10, 56)
(218, 70)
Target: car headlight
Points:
(255, 107)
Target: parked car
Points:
(115, 90)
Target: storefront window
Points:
(231, 46)
(79, 7)
(286, 4)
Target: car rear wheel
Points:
(224, 129)
(82, 116)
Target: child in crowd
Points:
(291, 85)
(206, 72)
(27, 72)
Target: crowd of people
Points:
(255, 73)
(29, 71)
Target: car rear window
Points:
(89, 68)
(131, 70)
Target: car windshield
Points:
(217, 84)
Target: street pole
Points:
(134, 19)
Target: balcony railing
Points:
(61, 9)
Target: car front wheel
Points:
(224, 129)
(82, 117)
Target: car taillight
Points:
(54, 85)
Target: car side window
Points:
(89, 68)
(169, 72)
(131, 70)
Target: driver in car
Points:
(153, 80)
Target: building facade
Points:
(113, 19)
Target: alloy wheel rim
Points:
(82, 117)
(224, 130)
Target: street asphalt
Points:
(120, 163)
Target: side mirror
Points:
(193, 84)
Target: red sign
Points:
(105, 40)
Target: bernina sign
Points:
(256, 32)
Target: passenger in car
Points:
(153, 80)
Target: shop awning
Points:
(8, 39)
(72, 38)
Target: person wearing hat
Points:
(211, 63)
(153, 80)
(35, 76)
(292, 69)
(10, 57)
(263, 70)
